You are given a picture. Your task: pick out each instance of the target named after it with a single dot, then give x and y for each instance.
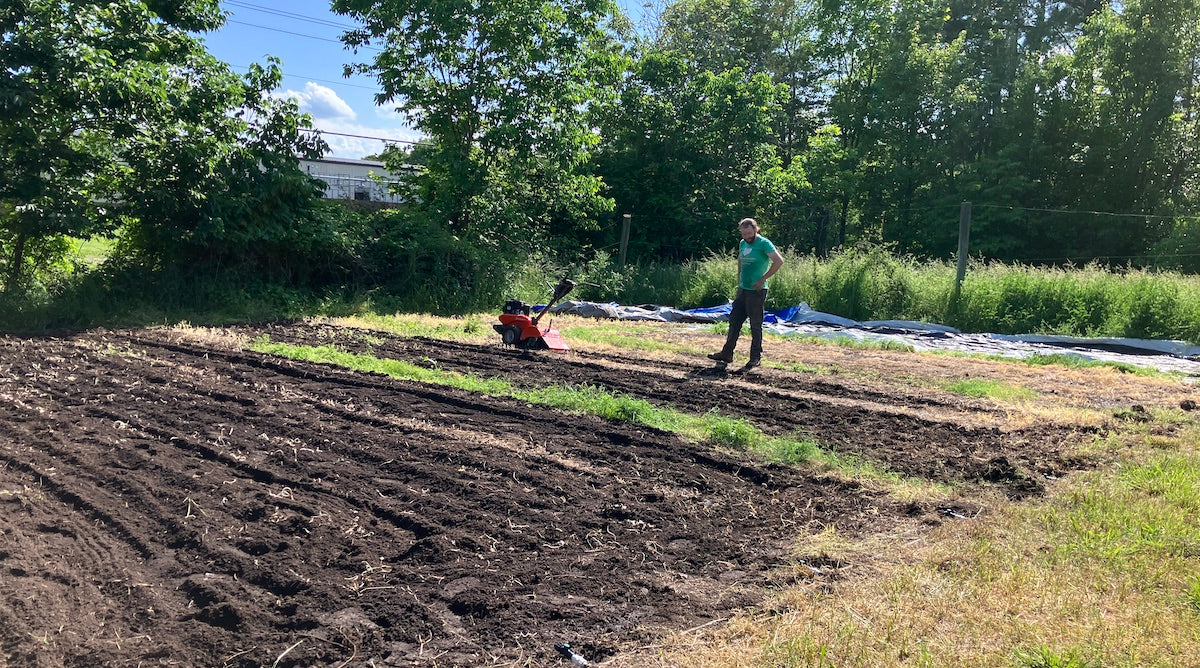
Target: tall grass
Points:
(872, 284)
(866, 283)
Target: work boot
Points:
(721, 357)
(747, 367)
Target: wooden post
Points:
(624, 238)
(964, 245)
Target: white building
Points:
(346, 178)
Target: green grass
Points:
(1078, 362)
(973, 387)
(853, 343)
(91, 252)
(1140, 523)
(839, 340)
(468, 328)
(1045, 657)
(1064, 360)
(718, 430)
(625, 336)
(797, 367)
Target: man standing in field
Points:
(758, 260)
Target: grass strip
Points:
(712, 428)
(974, 387)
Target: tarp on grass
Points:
(802, 320)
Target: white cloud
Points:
(321, 102)
(365, 139)
(340, 126)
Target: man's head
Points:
(748, 228)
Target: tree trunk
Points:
(842, 222)
(17, 261)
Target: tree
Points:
(1134, 77)
(691, 153)
(772, 37)
(112, 113)
(503, 89)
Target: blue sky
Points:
(304, 35)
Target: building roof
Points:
(345, 161)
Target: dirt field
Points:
(171, 500)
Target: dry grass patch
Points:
(1103, 572)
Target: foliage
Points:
(113, 114)
(410, 260)
(689, 152)
(502, 89)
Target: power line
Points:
(309, 78)
(299, 34)
(353, 136)
(290, 15)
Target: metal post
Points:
(624, 238)
(964, 245)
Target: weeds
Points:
(973, 387)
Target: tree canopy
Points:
(1073, 126)
(503, 89)
(114, 114)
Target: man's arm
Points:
(776, 263)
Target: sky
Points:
(304, 35)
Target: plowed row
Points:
(168, 502)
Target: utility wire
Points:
(290, 15)
(299, 34)
(309, 78)
(382, 139)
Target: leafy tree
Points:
(690, 154)
(1134, 79)
(112, 113)
(773, 37)
(503, 91)
(896, 98)
(221, 193)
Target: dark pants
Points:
(747, 304)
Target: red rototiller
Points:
(519, 328)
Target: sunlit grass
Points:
(840, 340)
(975, 387)
(92, 251)
(473, 329)
(623, 336)
(1105, 571)
(731, 433)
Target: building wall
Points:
(362, 180)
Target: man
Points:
(758, 260)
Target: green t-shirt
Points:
(755, 260)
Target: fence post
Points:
(964, 245)
(624, 238)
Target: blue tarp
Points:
(801, 319)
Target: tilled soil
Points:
(170, 502)
(900, 432)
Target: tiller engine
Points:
(518, 328)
